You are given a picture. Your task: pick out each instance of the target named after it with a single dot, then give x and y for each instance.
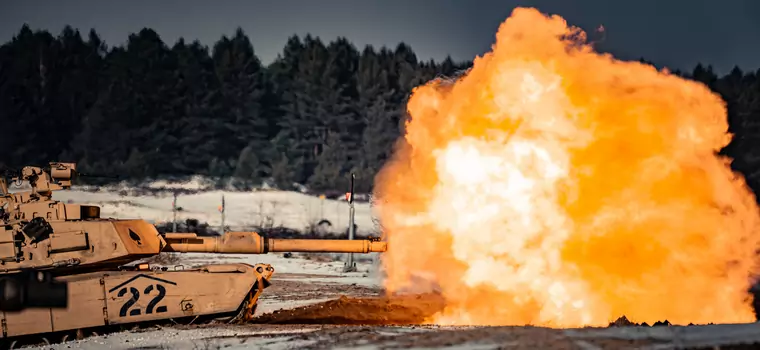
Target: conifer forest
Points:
(321, 111)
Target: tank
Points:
(92, 256)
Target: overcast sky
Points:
(673, 33)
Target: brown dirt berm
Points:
(385, 310)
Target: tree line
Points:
(318, 113)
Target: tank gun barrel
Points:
(253, 243)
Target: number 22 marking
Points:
(136, 296)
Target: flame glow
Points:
(556, 186)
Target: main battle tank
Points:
(91, 254)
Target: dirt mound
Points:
(405, 309)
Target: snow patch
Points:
(291, 210)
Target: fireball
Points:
(552, 185)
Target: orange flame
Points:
(556, 186)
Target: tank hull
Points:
(107, 298)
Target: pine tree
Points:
(241, 80)
(378, 116)
(197, 91)
(247, 171)
(303, 123)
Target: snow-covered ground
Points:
(428, 337)
(198, 338)
(260, 208)
(264, 208)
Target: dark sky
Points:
(673, 33)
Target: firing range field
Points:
(311, 304)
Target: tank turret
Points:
(38, 232)
(90, 254)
